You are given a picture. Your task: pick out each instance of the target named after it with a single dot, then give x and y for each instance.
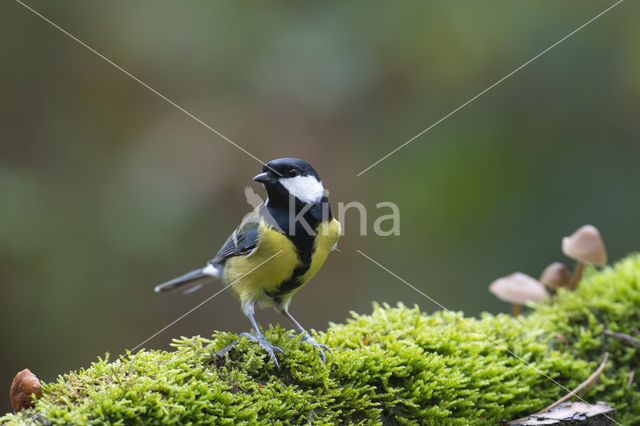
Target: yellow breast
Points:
(326, 239)
(274, 261)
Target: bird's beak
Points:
(265, 178)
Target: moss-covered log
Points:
(397, 365)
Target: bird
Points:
(276, 249)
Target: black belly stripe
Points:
(304, 248)
(302, 240)
(291, 284)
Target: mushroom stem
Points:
(577, 275)
(516, 309)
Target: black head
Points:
(291, 176)
(289, 168)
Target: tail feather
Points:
(193, 288)
(187, 283)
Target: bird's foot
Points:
(264, 344)
(222, 352)
(319, 347)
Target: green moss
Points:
(396, 365)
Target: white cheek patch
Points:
(305, 188)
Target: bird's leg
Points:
(305, 336)
(259, 337)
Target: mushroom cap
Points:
(24, 384)
(518, 288)
(586, 246)
(555, 275)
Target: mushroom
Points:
(586, 247)
(555, 276)
(518, 288)
(24, 385)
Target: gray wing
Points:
(241, 242)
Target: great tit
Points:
(277, 248)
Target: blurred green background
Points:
(108, 190)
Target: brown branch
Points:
(584, 386)
(623, 337)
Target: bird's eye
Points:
(292, 173)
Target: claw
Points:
(309, 339)
(264, 344)
(319, 347)
(222, 352)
